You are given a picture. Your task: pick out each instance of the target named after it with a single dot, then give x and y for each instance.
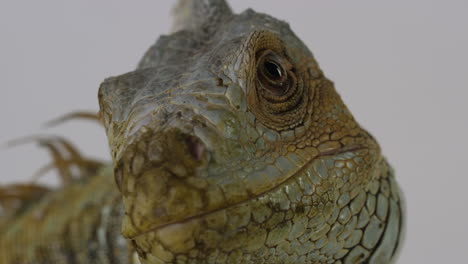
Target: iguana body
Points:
(78, 224)
(229, 145)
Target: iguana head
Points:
(229, 144)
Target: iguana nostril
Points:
(195, 147)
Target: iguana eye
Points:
(279, 87)
(272, 70)
(273, 73)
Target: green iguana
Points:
(229, 145)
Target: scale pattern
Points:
(229, 145)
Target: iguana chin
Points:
(229, 145)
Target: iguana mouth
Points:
(280, 185)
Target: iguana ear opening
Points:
(196, 14)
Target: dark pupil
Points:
(273, 70)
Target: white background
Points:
(401, 67)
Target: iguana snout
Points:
(161, 176)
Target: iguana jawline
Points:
(198, 216)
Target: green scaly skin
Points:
(216, 161)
